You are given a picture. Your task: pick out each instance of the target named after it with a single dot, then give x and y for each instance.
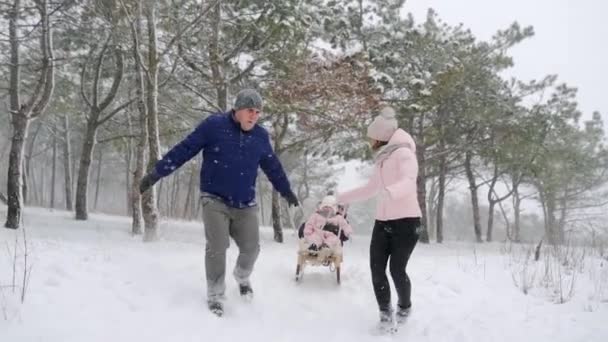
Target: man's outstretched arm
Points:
(177, 156)
(273, 169)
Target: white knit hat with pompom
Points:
(328, 201)
(383, 126)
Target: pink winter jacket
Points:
(314, 233)
(394, 178)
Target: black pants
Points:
(395, 239)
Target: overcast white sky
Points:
(571, 39)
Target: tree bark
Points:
(14, 185)
(421, 180)
(260, 192)
(188, 212)
(516, 214)
(550, 221)
(82, 186)
(128, 158)
(276, 217)
(279, 130)
(215, 58)
(561, 224)
(95, 120)
(149, 205)
(54, 166)
(42, 187)
(491, 203)
(474, 199)
(431, 203)
(67, 162)
(30, 194)
(140, 152)
(22, 113)
(441, 197)
(490, 227)
(174, 200)
(140, 161)
(98, 182)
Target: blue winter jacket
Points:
(231, 158)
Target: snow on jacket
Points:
(393, 178)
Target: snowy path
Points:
(94, 282)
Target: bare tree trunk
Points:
(173, 201)
(67, 162)
(360, 25)
(95, 119)
(490, 227)
(14, 185)
(441, 197)
(474, 199)
(136, 198)
(140, 154)
(493, 199)
(74, 172)
(215, 57)
(98, 182)
(42, 186)
(162, 201)
(128, 158)
(260, 192)
(421, 180)
(82, 186)
(22, 113)
(561, 224)
(177, 195)
(516, 213)
(29, 183)
(188, 205)
(195, 191)
(149, 204)
(54, 166)
(491, 204)
(431, 202)
(24, 178)
(279, 130)
(276, 217)
(550, 221)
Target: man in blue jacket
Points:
(233, 146)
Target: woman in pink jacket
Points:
(397, 211)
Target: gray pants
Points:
(221, 223)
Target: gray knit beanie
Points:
(248, 98)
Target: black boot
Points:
(403, 313)
(386, 326)
(217, 308)
(246, 291)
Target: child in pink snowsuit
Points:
(316, 236)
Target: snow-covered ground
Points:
(93, 281)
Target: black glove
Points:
(292, 200)
(148, 181)
(343, 236)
